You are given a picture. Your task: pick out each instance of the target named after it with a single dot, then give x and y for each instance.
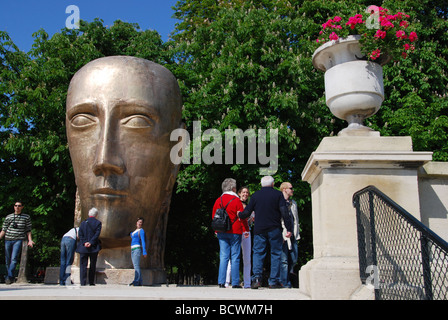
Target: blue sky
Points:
(21, 18)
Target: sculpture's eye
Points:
(138, 121)
(82, 120)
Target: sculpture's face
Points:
(120, 114)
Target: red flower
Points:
(386, 23)
(401, 34)
(353, 21)
(334, 36)
(337, 19)
(413, 36)
(380, 34)
(375, 54)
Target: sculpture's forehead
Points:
(116, 82)
(110, 80)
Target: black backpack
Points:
(221, 220)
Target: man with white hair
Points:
(89, 246)
(270, 207)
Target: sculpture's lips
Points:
(109, 193)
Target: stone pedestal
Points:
(338, 168)
(110, 276)
(117, 268)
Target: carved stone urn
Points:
(354, 87)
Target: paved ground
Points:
(123, 292)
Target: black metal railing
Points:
(398, 256)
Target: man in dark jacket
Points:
(270, 208)
(89, 246)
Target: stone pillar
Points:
(338, 168)
(433, 187)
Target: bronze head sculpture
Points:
(120, 113)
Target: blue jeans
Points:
(229, 249)
(289, 260)
(261, 240)
(12, 252)
(68, 246)
(135, 256)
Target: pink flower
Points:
(375, 54)
(401, 34)
(328, 24)
(399, 15)
(404, 24)
(386, 23)
(406, 46)
(334, 36)
(413, 36)
(353, 21)
(337, 19)
(391, 18)
(380, 34)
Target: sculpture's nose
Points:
(108, 160)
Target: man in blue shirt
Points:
(270, 207)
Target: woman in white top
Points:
(246, 243)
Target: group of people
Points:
(275, 221)
(83, 239)
(271, 213)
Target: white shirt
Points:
(72, 233)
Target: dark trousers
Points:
(84, 257)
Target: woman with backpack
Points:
(230, 239)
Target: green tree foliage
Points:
(247, 64)
(416, 102)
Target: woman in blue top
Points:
(138, 247)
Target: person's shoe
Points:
(221, 286)
(255, 284)
(237, 287)
(8, 281)
(275, 286)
